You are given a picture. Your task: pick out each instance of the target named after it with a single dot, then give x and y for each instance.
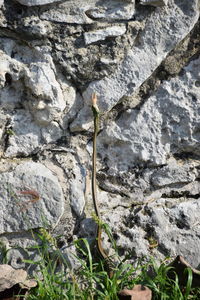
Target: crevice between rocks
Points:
(186, 51)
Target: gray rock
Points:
(79, 12)
(156, 41)
(157, 230)
(112, 10)
(25, 139)
(165, 125)
(174, 173)
(70, 257)
(177, 229)
(41, 81)
(76, 179)
(102, 34)
(2, 124)
(154, 2)
(36, 2)
(22, 211)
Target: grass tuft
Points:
(91, 281)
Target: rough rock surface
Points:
(154, 2)
(36, 2)
(21, 211)
(142, 60)
(166, 125)
(10, 277)
(144, 57)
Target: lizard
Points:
(100, 249)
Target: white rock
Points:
(76, 178)
(81, 12)
(41, 80)
(21, 212)
(102, 34)
(173, 173)
(112, 10)
(154, 2)
(28, 137)
(51, 133)
(156, 41)
(166, 124)
(36, 2)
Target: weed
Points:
(91, 281)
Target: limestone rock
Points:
(154, 2)
(175, 228)
(156, 41)
(76, 179)
(174, 174)
(102, 34)
(163, 126)
(41, 81)
(23, 211)
(26, 140)
(79, 12)
(36, 2)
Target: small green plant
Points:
(3, 253)
(164, 288)
(10, 132)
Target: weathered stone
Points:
(41, 81)
(79, 12)
(139, 292)
(45, 100)
(2, 124)
(174, 173)
(168, 231)
(76, 178)
(10, 277)
(24, 140)
(67, 253)
(102, 34)
(154, 2)
(23, 211)
(163, 126)
(156, 41)
(36, 2)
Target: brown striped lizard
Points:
(100, 249)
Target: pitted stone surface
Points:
(102, 34)
(77, 185)
(155, 3)
(80, 12)
(167, 124)
(36, 2)
(21, 211)
(156, 41)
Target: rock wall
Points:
(142, 60)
